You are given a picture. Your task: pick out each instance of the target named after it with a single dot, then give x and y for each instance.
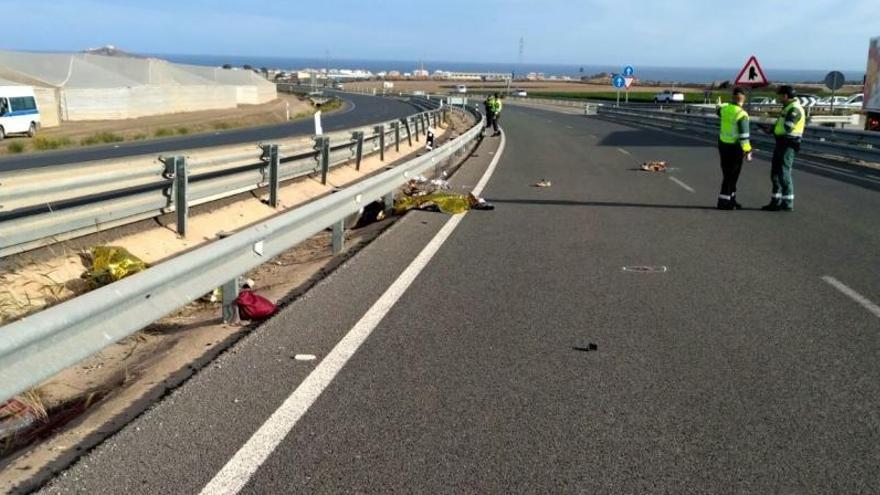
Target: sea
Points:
(682, 75)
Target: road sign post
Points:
(618, 82)
(834, 81)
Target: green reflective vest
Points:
(735, 126)
(792, 122)
(496, 105)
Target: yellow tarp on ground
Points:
(452, 204)
(112, 263)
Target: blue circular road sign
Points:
(628, 71)
(618, 81)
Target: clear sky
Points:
(786, 34)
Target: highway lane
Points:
(360, 110)
(738, 369)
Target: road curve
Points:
(360, 110)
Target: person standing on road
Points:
(496, 113)
(489, 104)
(733, 146)
(788, 131)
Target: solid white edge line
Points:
(682, 184)
(239, 470)
(623, 151)
(855, 296)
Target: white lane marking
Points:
(682, 184)
(623, 151)
(855, 296)
(238, 471)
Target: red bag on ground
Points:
(254, 307)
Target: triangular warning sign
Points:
(752, 74)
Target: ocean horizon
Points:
(683, 75)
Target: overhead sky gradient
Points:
(786, 34)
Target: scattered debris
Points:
(370, 214)
(110, 264)
(421, 186)
(17, 416)
(543, 183)
(590, 347)
(304, 357)
(655, 166)
(254, 307)
(452, 204)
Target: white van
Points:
(461, 88)
(18, 111)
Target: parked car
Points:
(669, 96)
(520, 92)
(837, 100)
(338, 85)
(18, 111)
(855, 101)
(461, 88)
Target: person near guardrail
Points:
(496, 113)
(489, 104)
(788, 131)
(733, 145)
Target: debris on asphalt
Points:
(370, 214)
(110, 264)
(655, 166)
(449, 203)
(590, 347)
(18, 415)
(420, 186)
(543, 183)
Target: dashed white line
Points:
(682, 184)
(238, 471)
(624, 151)
(855, 296)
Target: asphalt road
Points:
(739, 369)
(360, 110)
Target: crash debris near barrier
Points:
(655, 166)
(110, 264)
(421, 193)
(543, 183)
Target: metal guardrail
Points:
(852, 145)
(36, 347)
(47, 205)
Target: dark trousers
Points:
(780, 171)
(731, 166)
(495, 119)
(490, 119)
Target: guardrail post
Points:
(396, 127)
(274, 177)
(176, 165)
(380, 131)
(388, 199)
(230, 294)
(358, 136)
(322, 145)
(416, 120)
(338, 236)
(408, 132)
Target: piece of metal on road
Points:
(646, 269)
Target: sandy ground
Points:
(98, 396)
(176, 124)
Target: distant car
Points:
(338, 85)
(855, 101)
(520, 92)
(763, 100)
(461, 88)
(826, 102)
(668, 96)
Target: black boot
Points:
(772, 206)
(725, 204)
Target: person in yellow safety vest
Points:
(490, 105)
(788, 131)
(733, 146)
(496, 113)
